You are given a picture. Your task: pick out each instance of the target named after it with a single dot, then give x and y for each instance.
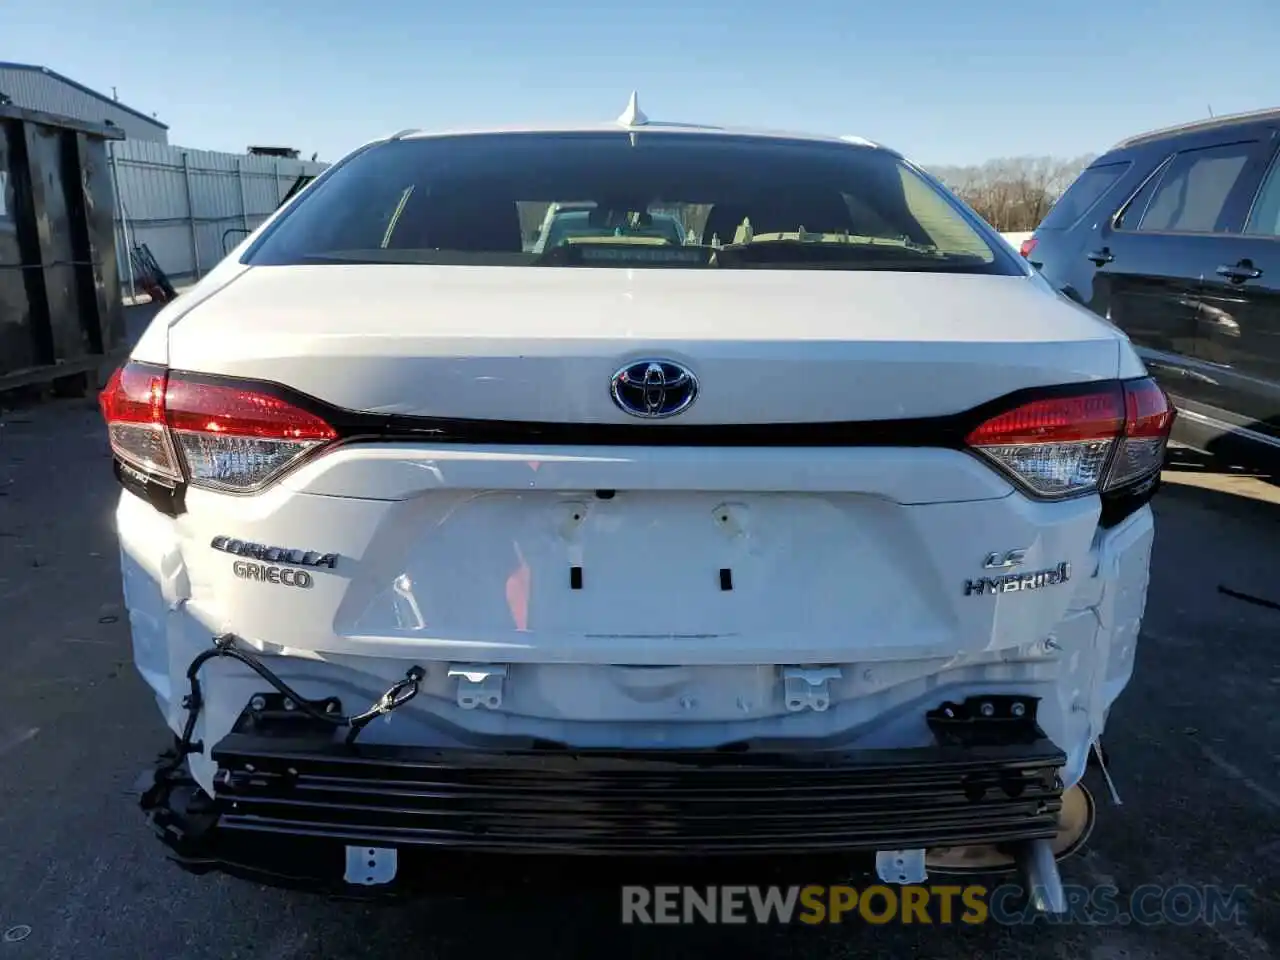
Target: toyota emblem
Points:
(654, 388)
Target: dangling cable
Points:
(401, 693)
(224, 646)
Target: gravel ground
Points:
(1193, 747)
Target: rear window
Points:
(652, 199)
(1080, 197)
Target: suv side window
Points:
(1264, 218)
(1191, 196)
(1132, 211)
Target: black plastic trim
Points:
(942, 432)
(946, 431)
(166, 496)
(1123, 502)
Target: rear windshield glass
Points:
(614, 199)
(1080, 197)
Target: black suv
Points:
(1174, 236)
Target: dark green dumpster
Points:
(60, 305)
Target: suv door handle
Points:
(1101, 256)
(1240, 272)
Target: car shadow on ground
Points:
(1217, 491)
(1191, 460)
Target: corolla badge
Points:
(654, 388)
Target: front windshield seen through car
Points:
(653, 199)
(572, 225)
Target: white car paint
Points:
(458, 554)
(485, 342)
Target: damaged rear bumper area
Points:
(310, 810)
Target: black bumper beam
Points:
(285, 810)
(596, 802)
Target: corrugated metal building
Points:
(191, 207)
(39, 88)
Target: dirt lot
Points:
(1194, 748)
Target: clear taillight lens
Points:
(221, 436)
(1065, 445)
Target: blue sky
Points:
(946, 82)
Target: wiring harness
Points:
(225, 645)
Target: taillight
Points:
(222, 436)
(1148, 420)
(1028, 245)
(133, 405)
(1065, 445)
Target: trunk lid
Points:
(542, 344)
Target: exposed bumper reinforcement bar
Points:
(291, 807)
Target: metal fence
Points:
(191, 206)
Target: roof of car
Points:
(633, 120)
(1272, 114)
(650, 127)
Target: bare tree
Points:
(1013, 193)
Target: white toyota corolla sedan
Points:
(818, 524)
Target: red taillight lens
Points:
(226, 436)
(1028, 245)
(1089, 416)
(1148, 420)
(1148, 412)
(1060, 446)
(234, 411)
(133, 405)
